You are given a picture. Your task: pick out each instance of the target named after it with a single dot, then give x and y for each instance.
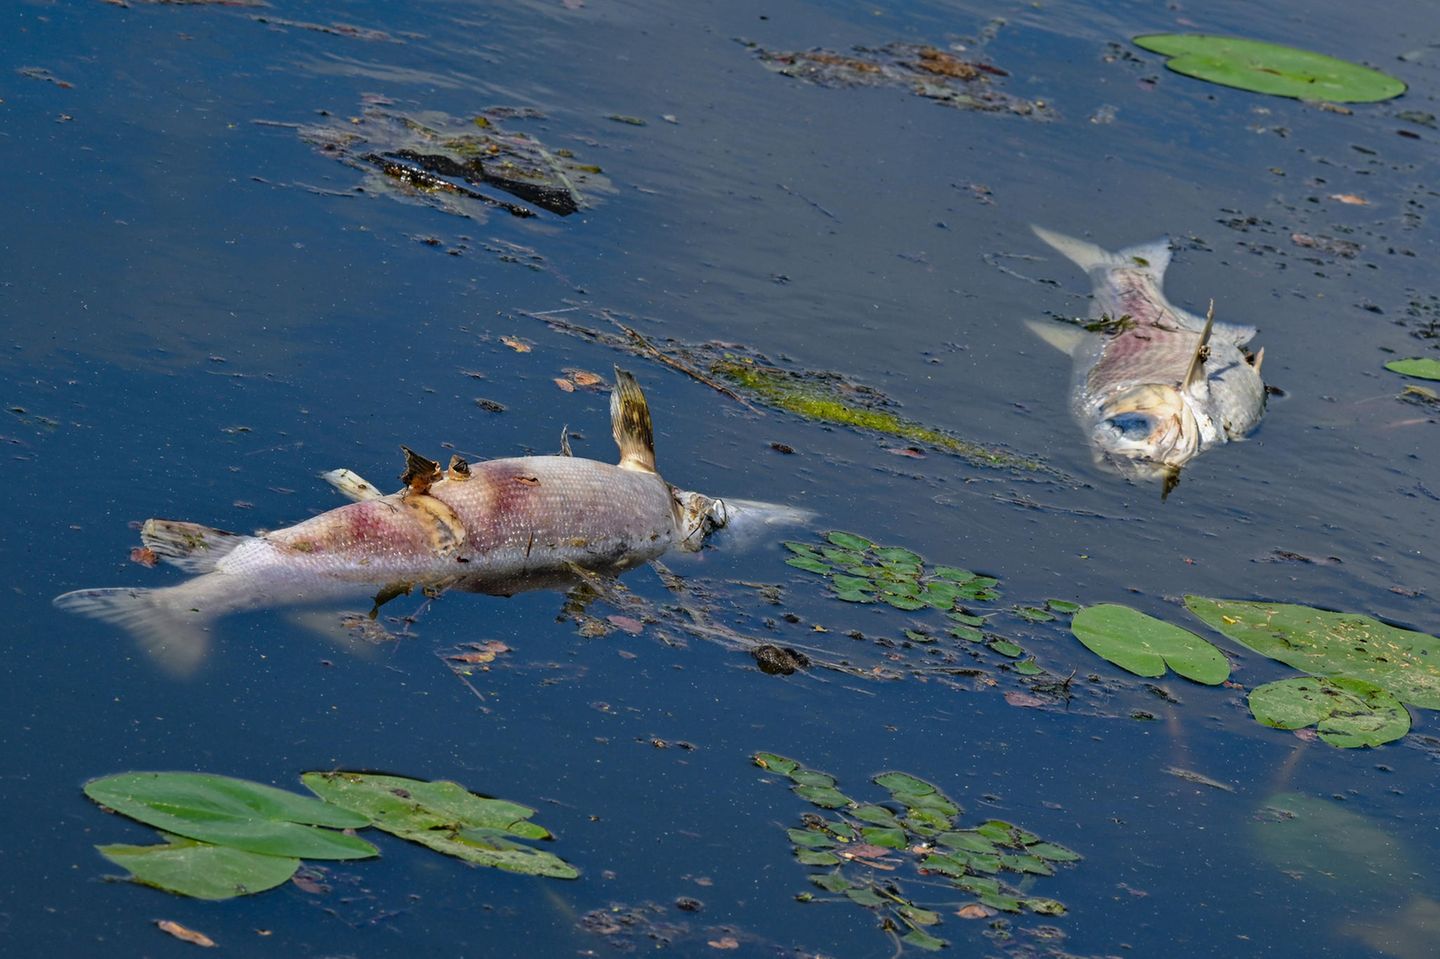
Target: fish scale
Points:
(1146, 355)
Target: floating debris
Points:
(750, 377)
(923, 70)
(447, 161)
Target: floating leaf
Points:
(1052, 852)
(1062, 606)
(1145, 645)
(200, 869)
(826, 797)
(1271, 68)
(446, 817)
(774, 763)
(809, 564)
(888, 837)
(1322, 643)
(1006, 648)
(234, 813)
(1426, 368)
(923, 940)
(849, 540)
(816, 857)
(1348, 712)
(831, 882)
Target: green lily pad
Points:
(446, 817)
(816, 857)
(1271, 68)
(1426, 368)
(808, 563)
(831, 882)
(201, 869)
(923, 940)
(235, 813)
(849, 540)
(1322, 643)
(1145, 645)
(1349, 712)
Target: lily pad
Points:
(1271, 68)
(1323, 643)
(446, 817)
(200, 869)
(1349, 712)
(1145, 645)
(1426, 368)
(234, 813)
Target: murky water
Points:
(203, 312)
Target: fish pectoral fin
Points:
(351, 485)
(1195, 373)
(1171, 480)
(630, 423)
(190, 546)
(1063, 336)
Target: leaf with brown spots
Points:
(565, 384)
(627, 623)
(185, 935)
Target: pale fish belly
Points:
(508, 518)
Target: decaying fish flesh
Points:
(500, 527)
(1157, 385)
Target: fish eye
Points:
(1131, 425)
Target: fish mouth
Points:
(1147, 432)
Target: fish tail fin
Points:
(190, 546)
(630, 422)
(1153, 256)
(174, 638)
(1065, 337)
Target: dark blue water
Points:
(202, 313)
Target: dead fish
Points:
(1158, 385)
(497, 527)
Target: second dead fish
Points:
(1158, 385)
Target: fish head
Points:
(1146, 432)
(698, 517)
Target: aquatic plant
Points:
(229, 837)
(1147, 646)
(1270, 68)
(865, 846)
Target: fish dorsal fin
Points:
(565, 441)
(1196, 371)
(630, 422)
(190, 546)
(419, 471)
(1063, 336)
